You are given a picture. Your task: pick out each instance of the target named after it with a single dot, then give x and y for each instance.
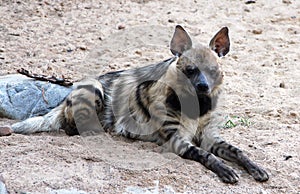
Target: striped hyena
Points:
(170, 103)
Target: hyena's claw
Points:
(227, 175)
(259, 174)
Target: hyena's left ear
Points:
(220, 43)
(180, 42)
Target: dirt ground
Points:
(84, 38)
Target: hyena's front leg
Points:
(187, 150)
(228, 152)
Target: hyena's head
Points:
(199, 64)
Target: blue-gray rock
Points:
(22, 97)
(3, 189)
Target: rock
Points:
(3, 189)
(286, 2)
(293, 114)
(22, 97)
(249, 2)
(257, 31)
(121, 26)
(282, 85)
(5, 131)
(287, 157)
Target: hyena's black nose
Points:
(202, 87)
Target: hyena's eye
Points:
(191, 70)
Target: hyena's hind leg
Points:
(222, 149)
(78, 114)
(83, 108)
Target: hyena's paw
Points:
(226, 174)
(259, 174)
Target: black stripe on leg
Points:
(69, 102)
(170, 132)
(91, 89)
(215, 148)
(193, 153)
(190, 153)
(166, 123)
(82, 100)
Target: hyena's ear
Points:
(220, 43)
(180, 42)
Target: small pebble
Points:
(287, 157)
(14, 34)
(247, 112)
(69, 50)
(83, 48)
(258, 31)
(282, 85)
(286, 1)
(5, 131)
(293, 114)
(171, 21)
(138, 52)
(250, 2)
(121, 26)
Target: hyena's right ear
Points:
(220, 43)
(180, 42)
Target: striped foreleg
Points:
(233, 154)
(187, 150)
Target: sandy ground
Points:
(83, 38)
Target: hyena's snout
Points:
(202, 84)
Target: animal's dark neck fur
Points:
(191, 106)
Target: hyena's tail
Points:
(52, 121)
